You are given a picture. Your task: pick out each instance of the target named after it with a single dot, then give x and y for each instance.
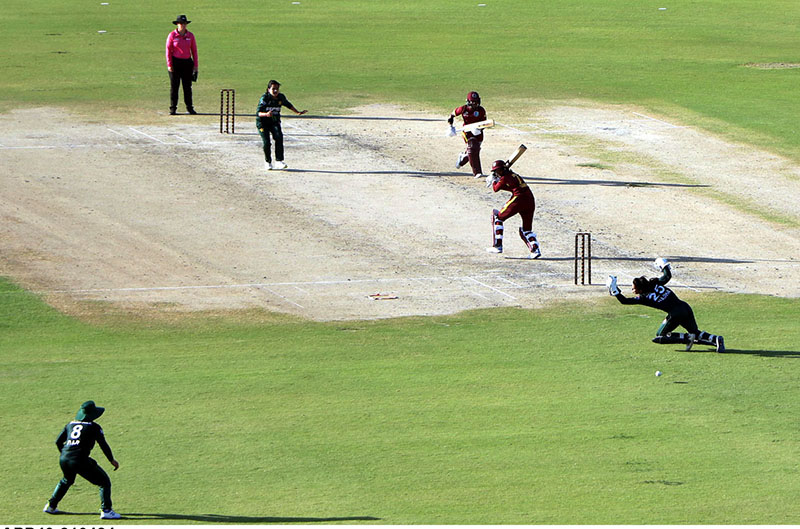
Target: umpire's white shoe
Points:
(279, 165)
(690, 341)
(495, 249)
(109, 515)
(50, 510)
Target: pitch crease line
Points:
(287, 300)
(148, 136)
(490, 287)
(658, 120)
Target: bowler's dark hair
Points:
(272, 82)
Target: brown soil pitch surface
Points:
(175, 217)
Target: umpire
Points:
(182, 64)
(75, 444)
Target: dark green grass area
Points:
(688, 58)
(516, 416)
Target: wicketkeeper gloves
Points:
(661, 263)
(611, 283)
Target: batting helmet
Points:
(498, 166)
(474, 98)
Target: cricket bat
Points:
(472, 127)
(514, 157)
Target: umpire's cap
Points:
(89, 411)
(181, 20)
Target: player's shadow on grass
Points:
(226, 519)
(541, 180)
(765, 352)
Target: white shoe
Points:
(480, 175)
(268, 166)
(279, 165)
(495, 249)
(690, 343)
(109, 515)
(462, 159)
(537, 253)
(51, 510)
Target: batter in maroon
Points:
(471, 112)
(521, 202)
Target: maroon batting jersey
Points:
(471, 113)
(513, 182)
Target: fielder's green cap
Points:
(89, 411)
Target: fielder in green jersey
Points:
(75, 443)
(268, 121)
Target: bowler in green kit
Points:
(268, 122)
(75, 443)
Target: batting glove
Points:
(661, 263)
(451, 131)
(611, 284)
(491, 180)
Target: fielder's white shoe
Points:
(495, 249)
(279, 165)
(537, 253)
(51, 510)
(268, 166)
(690, 343)
(109, 515)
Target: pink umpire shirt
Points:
(181, 47)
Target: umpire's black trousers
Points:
(182, 70)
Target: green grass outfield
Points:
(491, 417)
(330, 54)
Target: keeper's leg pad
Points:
(672, 337)
(705, 338)
(497, 230)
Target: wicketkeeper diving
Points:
(652, 293)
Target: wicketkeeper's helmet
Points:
(474, 98)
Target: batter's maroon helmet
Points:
(498, 166)
(474, 98)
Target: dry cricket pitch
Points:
(174, 216)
